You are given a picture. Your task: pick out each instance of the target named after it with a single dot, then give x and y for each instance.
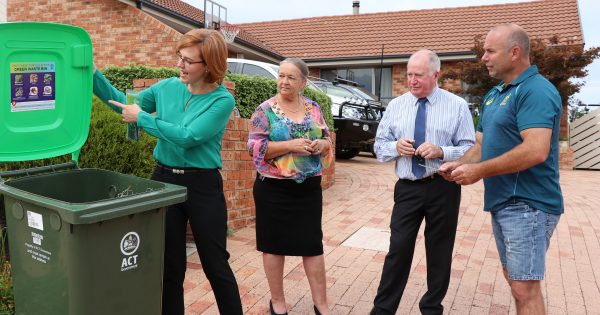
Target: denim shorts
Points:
(522, 236)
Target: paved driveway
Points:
(355, 220)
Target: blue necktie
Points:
(420, 122)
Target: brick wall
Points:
(121, 34)
(399, 82)
(238, 170)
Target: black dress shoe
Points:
(316, 310)
(273, 311)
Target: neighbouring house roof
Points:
(181, 8)
(186, 10)
(445, 31)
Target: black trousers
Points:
(438, 201)
(206, 211)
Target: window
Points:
(256, 70)
(231, 66)
(367, 78)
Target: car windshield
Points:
(338, 91)
(363, 94)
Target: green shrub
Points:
(122, 77)
(476, 120)
(7, 303)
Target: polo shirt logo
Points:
(505, 100)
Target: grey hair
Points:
(298, 63)
(517, 36)
(434, 61)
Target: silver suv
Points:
(258, 68)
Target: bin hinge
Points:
(37, 170)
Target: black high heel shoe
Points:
(316, 310)
(273, 311)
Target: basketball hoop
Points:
(229, 32)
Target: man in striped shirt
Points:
(420, 130)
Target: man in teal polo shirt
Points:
(516, 154)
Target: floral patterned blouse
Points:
(269, 123)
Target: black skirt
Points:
(288, 216)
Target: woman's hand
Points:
(301, 146)
(319, 146)
(129, 112)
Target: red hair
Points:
(213, 51)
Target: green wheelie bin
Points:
(82, 241)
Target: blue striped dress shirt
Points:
(449, 125)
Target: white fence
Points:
(584, 135)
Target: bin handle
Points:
(37, 170)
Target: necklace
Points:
(299, 107)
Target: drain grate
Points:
(369, 238)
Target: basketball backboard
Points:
(214, 14)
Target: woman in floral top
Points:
(289, 143)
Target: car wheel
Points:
(345, 154)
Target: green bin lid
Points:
(45, 90)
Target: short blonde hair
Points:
(213, 51)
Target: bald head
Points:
(513, 35)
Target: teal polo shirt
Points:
(530, 101)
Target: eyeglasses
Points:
(187, 61)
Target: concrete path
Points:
(361, 201)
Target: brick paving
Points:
(362, 197)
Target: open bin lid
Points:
(45, 90)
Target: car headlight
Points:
(335, 109)
(351, 112)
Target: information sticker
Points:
(32, 86)
(35, 221)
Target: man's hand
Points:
(428, 150)
(446, 169)
(466, 174)
(405, 147)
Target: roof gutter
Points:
(387, 59)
